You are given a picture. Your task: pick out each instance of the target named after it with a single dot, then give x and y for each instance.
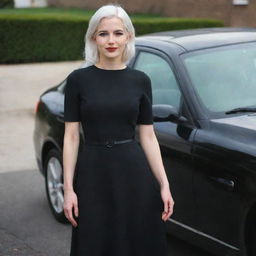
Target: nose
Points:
(111, 38)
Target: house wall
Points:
(217, 9)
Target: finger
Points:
(71, 219)
(65, 212)
(170, 212)
(170, 209)
(76, 209)
(170, 205)
(166, 206)
(164, 215)
(73, 222)
(69, 214)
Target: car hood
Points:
(245, 122)
(231, 137)
(237, 132)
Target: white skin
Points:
(112, 33)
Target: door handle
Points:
(227, 183)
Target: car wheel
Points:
(250, 236)
(54, 184)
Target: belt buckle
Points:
(110, 144)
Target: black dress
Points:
(119, 200)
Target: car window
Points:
(224, 78)
(62, 85)
(164, 85)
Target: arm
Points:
(70, 151)
(151, 148)
(71, 144)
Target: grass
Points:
(78, 12)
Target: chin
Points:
(112, 56)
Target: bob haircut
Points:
(91, 54)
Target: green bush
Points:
(146, 26)
(6, 4)
(38, 38)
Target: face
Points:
(111, 34)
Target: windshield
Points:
(224, 78)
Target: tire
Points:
(250, 233)
(54, 184)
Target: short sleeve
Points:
(145, 109)
(71, 100)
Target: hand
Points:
(168, 202)
(70, 201)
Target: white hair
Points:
(91, 54)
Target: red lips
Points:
(111, 49)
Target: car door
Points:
(175, 139)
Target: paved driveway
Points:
(20, 87)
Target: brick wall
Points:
(219, 9)
(244, 15)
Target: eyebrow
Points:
(107, 31)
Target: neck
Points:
(110, 64)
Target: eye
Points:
(119, 33)
(102, 34)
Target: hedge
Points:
(6, 4)
(39, 38)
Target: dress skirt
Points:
(119, 202)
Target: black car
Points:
(204, 106)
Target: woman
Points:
(113, 201)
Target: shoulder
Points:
(145, 80)
(140, 74)
(79, 73)
(77, 77)
(73, 80)
(142, 78)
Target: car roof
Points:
(195, 39)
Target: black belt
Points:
(107, 143)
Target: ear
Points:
(129, 36)
(93, 38)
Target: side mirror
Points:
(163, 113)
